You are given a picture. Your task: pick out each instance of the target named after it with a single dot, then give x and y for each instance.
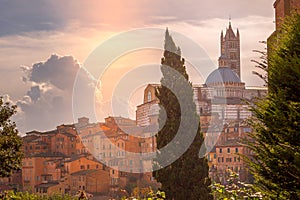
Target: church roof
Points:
(222, 75)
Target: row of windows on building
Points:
(110, 154)
(235, 159)
(236, 150)
(119, 163)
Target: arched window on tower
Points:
(149, 96)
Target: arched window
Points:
(149, 96)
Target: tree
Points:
(186, 177)
(276, 121)
(235, 189)
(10, 143)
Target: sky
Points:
(46, 46)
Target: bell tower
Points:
(230, 50)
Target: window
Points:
(232, 55)
(236, 150)
(236, 129)
(234, 159)
(247, 130)
(149, 96)
(220, 150)
(228, 150)
(81, 166)
(215, 156)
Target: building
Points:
(150, 102)
(90, 180)
(230, 50)
(63, 139)
(41, 168)
(283, 8)
(229, 151)
(118, 143)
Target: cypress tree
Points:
(186, 177)
(276, 121)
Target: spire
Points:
(169, 43)
(229, 31)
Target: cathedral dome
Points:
(222, 75)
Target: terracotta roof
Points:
(47, 185)
(48, 154)
(84, 172)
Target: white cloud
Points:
(48, 103)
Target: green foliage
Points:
(10, 143)
(10, 195)
(234, 190)
(276, 136)
(187, 177)
(150, 195)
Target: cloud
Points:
(57, 71)
(34, 93)
(27, 15)
(32, 15)
(48, 102)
